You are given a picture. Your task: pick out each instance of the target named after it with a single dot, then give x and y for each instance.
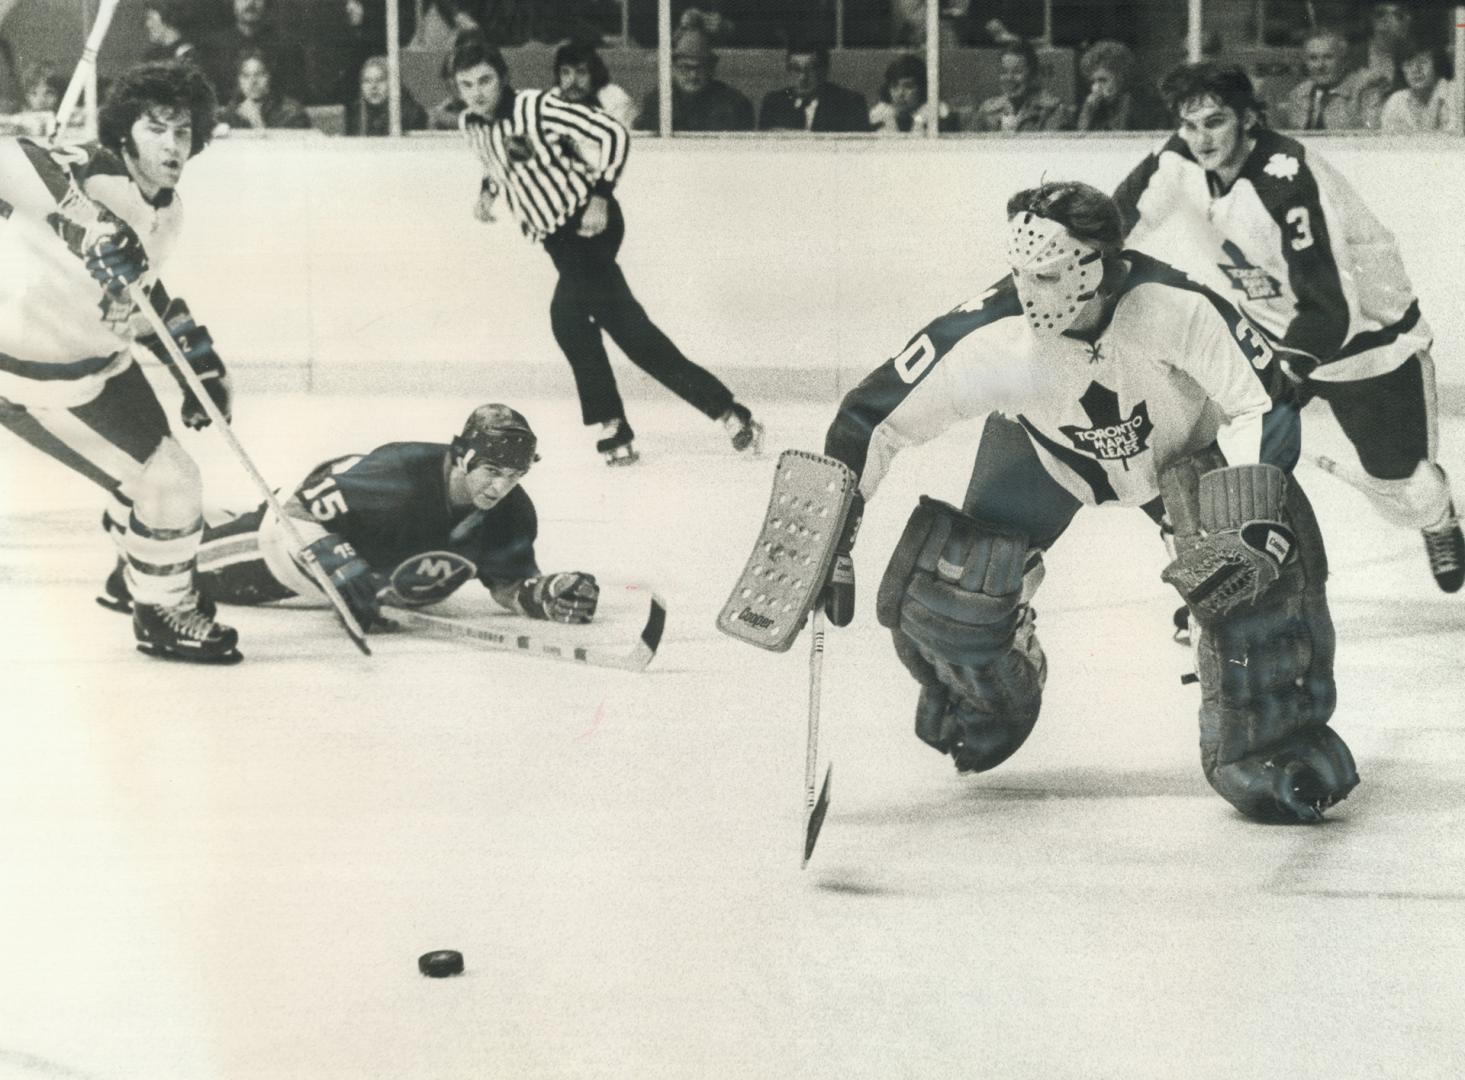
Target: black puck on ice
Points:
(440, 963)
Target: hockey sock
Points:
(160, 561)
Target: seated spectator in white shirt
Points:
(581, 76)
(903, 108)
(1427, 102)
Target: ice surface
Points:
(230, 873)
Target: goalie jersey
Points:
(392, 505)
(1295, 247)
(61, 337)
(1175, 368)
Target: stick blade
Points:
(816, 816)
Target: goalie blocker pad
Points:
(1265, 666)
(795, 548)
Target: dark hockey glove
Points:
(568, 597)
(198, 349)
(110, 249)
(838, 597)
(1243, 542)
(353, 578)
(1296, 369)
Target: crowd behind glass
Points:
(1085, 65)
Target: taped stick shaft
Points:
(221, 425)
(816, 799)
(86, 68)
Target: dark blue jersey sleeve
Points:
(504, 540)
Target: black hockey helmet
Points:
(498, 435)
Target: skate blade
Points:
(112, 603)
(227, 659)
(623, 460)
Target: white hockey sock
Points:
(160, 561)
(1419, 502)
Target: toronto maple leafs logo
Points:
(1282, 166)
(1112, 437)
(1251, 281)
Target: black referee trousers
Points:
(592, 295)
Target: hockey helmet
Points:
(496, 435)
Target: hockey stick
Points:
(539, 644)
(816, 805)
(86, 67)
(221, 425)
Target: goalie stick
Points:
(1351, 475)
(542, 645)
(816, 807)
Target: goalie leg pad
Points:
(1266, 671)
(953, 597)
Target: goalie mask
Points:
(495, 435)
(1056, 274)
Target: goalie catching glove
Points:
(353, 577)
(197, 348)
(1243, 543)
(568, 597)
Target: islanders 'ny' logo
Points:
(1112, 437)
(1253, 282)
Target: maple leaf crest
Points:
(1282, 166)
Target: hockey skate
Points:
(1445, 547)
(115, 595)
(617, 445)
(184, 632)
(746, 433)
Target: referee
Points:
(556, 163)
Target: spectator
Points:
(359, 32)
(1118, 100)
(255, 104)
(1390, 31)
(513, 22)
(1427, 102)
(253, 28)
(1331, 97)
(169, 24)
(370, 113)
(908, 22)
(1023, 104)
(41, 89)
(580, 75)
(811, 102)
(710, 17)
(903, 108)
(699, 102)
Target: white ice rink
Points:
(227, 874)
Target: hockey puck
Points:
(440, 963)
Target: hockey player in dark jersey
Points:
(407, 524)
(78, 226)
(1312, 267)
(1105, 376)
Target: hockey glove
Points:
(198, 349)
(568, 597)
(353, 578)
(838, 596)
(1296, 369)
(110, 249)
(1243, 544)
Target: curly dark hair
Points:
(1226, 83)
(579, 52)
(174, 85)
(1082, 209)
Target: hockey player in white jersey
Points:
(1313, 268)
(78, 225)
(1107, 377)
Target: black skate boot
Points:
(617, 445)
(1445, 547)
(184, 632)
(747, 433)
(115, 595)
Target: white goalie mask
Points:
(1056, 274)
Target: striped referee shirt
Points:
(547, 156)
